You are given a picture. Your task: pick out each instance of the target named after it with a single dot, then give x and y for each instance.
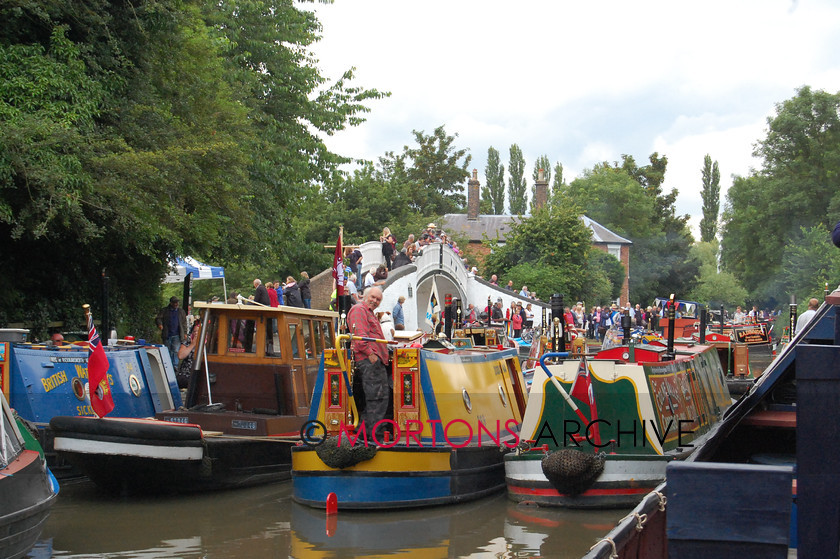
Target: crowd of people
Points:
(292, 293)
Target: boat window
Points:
(327, 337)
(306, 325)
(272, 338)
(241, 337)
(316, 333)
(294, 340)
(212, 339)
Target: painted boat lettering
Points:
(85, 411)
(54, 381)
(242, 424)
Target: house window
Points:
(615, 250)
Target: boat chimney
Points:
(473, 197)
(672, 318)
(702, 324)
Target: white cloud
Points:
(582, 82)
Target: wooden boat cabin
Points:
(259, 359)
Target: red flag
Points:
(338, 266)
(100, 391)
(582, 390)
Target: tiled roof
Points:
(494, 226)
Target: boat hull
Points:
(151, 456)
(404, 477)
(624, 481)
(27, 495)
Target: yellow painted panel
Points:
(430, 460)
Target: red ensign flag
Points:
(100, 391)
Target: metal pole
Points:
(703, 324)
(672, 317)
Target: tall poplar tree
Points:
(558, 185)
(516, 187)
(493, 192)
(711, 199)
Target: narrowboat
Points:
(27, 487)
(764, 482)
(247, 399)
(44, 380)
(647, 406)
(456, 412)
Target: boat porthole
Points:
(502, 395)
(134, 384)
(467, 402)
(625, 355)
(78, 388)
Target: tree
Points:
(516, 187)
(558, 185)
(132, 132)
(547, 252)
(542, 163)
(714, 287)
(604, 264)
(493, 192)
(616, 197)
(437, 172)
(808, 266)
(711, 200)
(798, 188)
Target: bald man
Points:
(371, 361)
(805, 318)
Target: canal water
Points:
(264, 522)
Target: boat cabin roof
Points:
(282, 309)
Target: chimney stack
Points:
(473, 197)
(541, 190)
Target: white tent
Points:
(179, 269)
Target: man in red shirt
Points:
(371, 361)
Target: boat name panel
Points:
(242, 424)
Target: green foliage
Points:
(558, 186)
(797, 189)
(626, 200)
(547, 252)
(609, 273)
(437, 173)
(614, 199)
(130, 132)
(517, 198)
(711, 200)
(715, 288)
(493, 193)
(810, 263)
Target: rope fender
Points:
(571, 471)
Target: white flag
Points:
(433, 308)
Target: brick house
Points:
(475, 227)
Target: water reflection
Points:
(264, 522)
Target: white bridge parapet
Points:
(437, 265)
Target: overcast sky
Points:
(582, 82)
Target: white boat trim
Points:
(84, 446)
